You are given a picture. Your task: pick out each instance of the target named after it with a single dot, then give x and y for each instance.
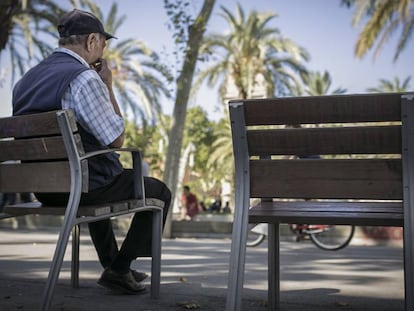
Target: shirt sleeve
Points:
(89, 98)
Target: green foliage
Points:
(317, 84)
(179, 20)
(199, 131)
(221, 159)
(389, 86)
(150, 140)
(385, 17)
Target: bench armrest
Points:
(139, 192)
(99, 152)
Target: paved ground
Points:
(194, 275)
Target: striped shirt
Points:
(89, 99)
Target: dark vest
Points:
(41, 89)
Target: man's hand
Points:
(104, 72)
(101, 67)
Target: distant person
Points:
(189, 204)
(215, 207)
(226, 208)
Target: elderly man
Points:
(76, 76)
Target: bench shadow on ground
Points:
(194, 274)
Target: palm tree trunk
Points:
(184, 83)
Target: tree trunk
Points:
(184, 83)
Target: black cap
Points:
(78, 22)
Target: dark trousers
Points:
(137, 242)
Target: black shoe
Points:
(121, 282)
(139, 276)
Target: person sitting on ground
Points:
(76, 76)
(189, 203)
(215, 207)
(226, 208)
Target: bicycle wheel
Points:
(254, 239)
(332, 238)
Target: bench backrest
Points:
(34, 152)
(358, 139)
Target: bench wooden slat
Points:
(33, 125)
(334, 206)
(323, 109)
(314, 212)
(33, 149)
(36, 177)
(148, 202)
(36, 208)
(327, 179)
(333, 140)
(337, 218)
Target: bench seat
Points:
(113, 208)
(335, 213)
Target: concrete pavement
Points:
(194, 276)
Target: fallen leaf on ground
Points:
(188, 305)
(342, 304)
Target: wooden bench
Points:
(43, 153)
(364, 175)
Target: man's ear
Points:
(90, 41)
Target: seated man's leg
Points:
(100, 231)
(103, 238)
(139, 236)
(138, 240)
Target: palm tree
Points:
(26, 26)
(7, 11)
(391, 86)
(317, 83)
(385, 17)
(250, 52)
(140, 80)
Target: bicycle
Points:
(326, 237)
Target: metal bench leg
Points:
(156, 254)
(68, 221)
(274, 267)
(74, 276)
(237, 261)
(408, 275)
(57, 259)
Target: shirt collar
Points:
(71, 53)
